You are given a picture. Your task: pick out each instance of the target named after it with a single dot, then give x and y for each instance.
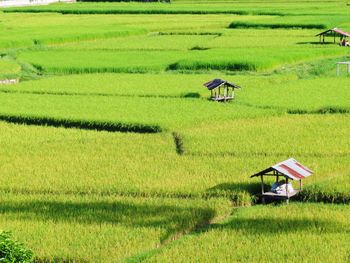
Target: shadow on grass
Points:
(251, 188)
(266, 154)
(266, 226)
(173, 219)
(240, 194)
(195, 95)
(315, 43)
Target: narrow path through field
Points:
(144, 255)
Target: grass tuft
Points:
(179, 144)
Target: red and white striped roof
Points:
(336, 30)
(293, 169)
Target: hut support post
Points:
(300, 184)
(262, 189)
(287, 201)
(334, 36)
(338, 69)
(225, 92)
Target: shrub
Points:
(13, 251)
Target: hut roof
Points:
(289, 168)
(335, 30)
(219, 82)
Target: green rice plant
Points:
(122, 8)
(253, 38)
(146, 42)
(105, 228)
(316, 95)
(107, 84)
(214, 163)
(81, 124)
(148, 1)
(327, 191)
(316, 22)
(250, 59)
(143, 167)
(54, 29)
(274, 26)
(279, 138)
(77, 62)
(162, 85)
(250, 234)
(271, 138)
(8, 69)
(165, 113)
(125, 164)
(194, 7)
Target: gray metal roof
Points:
(215, 83)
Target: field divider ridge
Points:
(81, 124)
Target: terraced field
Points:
(111, 151)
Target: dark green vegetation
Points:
(12, 251)
(274, 26)
(110, 150)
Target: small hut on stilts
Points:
(289, 169)
(221, 90)
(334, 32)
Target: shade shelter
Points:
(334, 32)
(289, 169)
(347, 63)
(221, 90)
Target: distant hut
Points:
(347, 63)
(221, 90)
(334, 32)
(283, 190)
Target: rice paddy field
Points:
(112, 151)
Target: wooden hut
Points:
(334, 32)
(347, 63)
(289, 169)
(221, 90)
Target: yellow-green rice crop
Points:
(68, 62)
(101, 229)
(8, 69)
(298, 232)
(196, 7)
(141, 165)
(315, 95)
